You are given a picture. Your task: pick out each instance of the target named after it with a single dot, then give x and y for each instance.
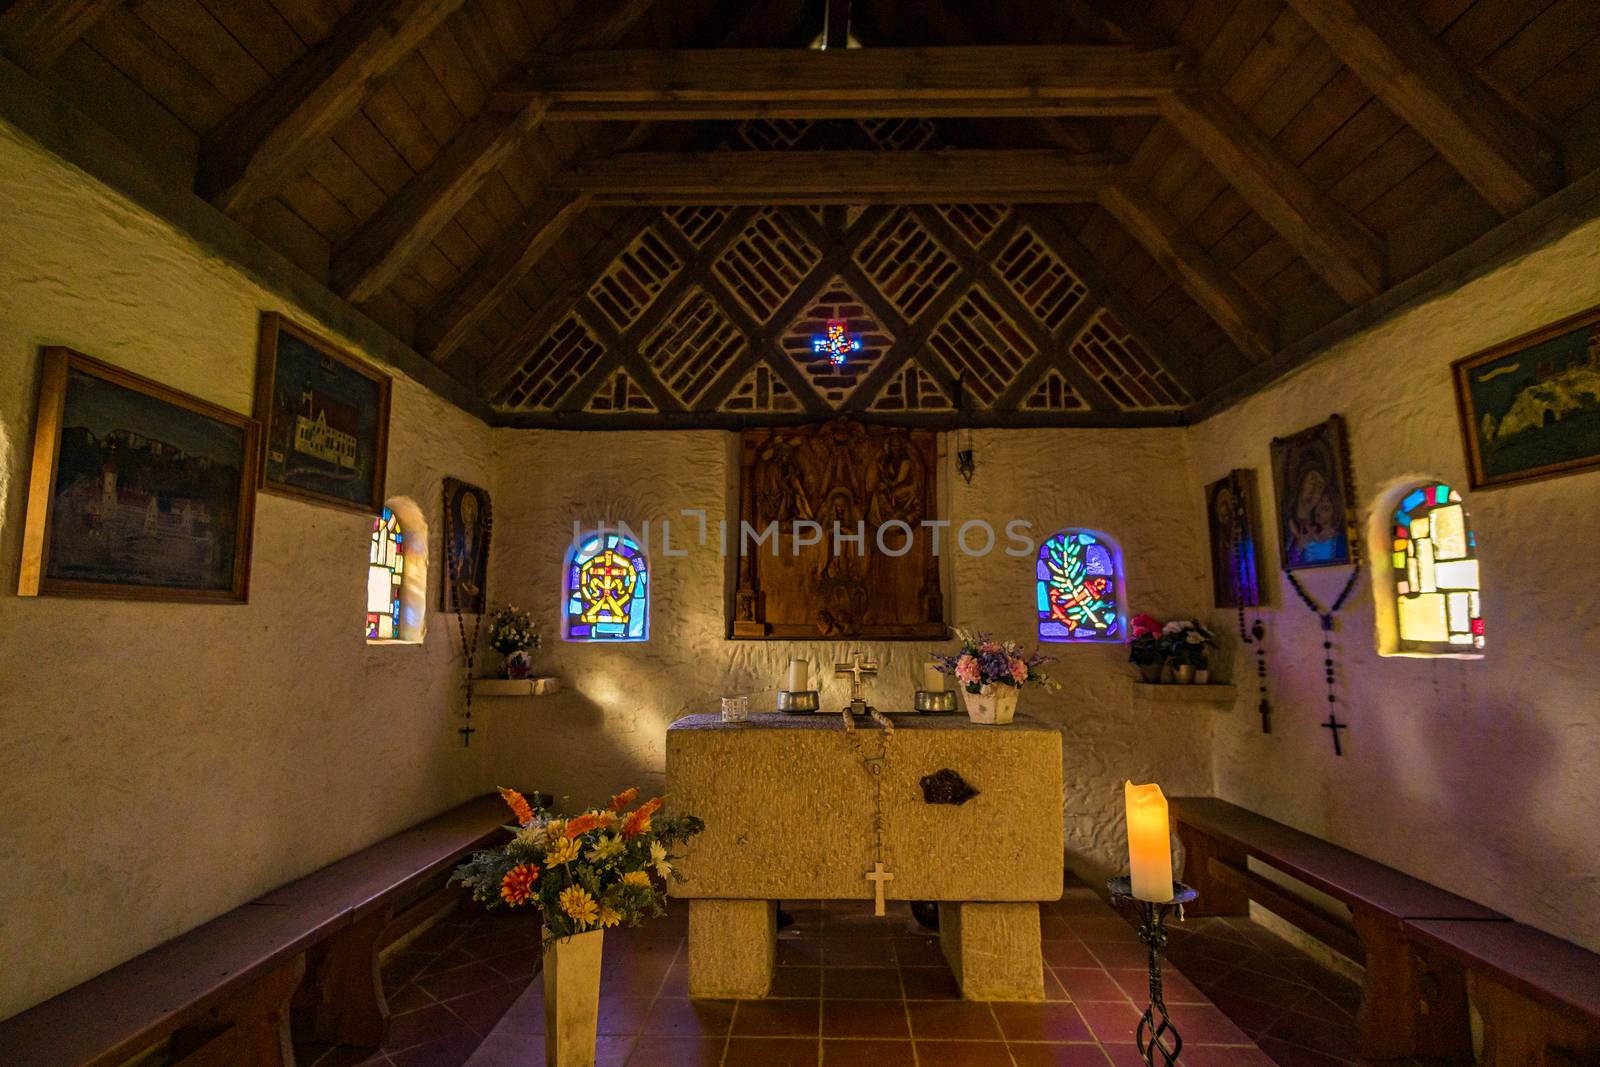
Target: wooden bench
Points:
(224, 993)
(1413, 997)
(1539, 996)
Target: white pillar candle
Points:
(797, 678)
(933, 679)
(1149, 842)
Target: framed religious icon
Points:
(467, 520)
(1530, 406)
(325, 416)
(1311, 478)
(138, 491)
(1232, 518)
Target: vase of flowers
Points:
(511, 634)
(1185, 643)
(1144, 650)
(583, 874)
(991, 675)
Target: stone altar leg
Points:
(732, 947)
(993, 949)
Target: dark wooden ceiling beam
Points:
(1505, 156)
(34, 32)
(737, 83)
(255, 152)
(1242, 316)
(375, 255)
(856, 176)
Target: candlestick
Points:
(933, 679)
(1156, 1035)
(1149, 842)
(799, 671)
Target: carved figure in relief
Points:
(783, 491)
(897, 493)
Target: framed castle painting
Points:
(325, 417)
(467, 521)
(138, 491)
(1530, 406)
(1316, 510)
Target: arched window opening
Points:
(386, 562)
(1433, 554)
(1079, 591)
(607, 587)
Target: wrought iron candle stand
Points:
(1155, 1026)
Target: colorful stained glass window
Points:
(607, 590)
(837, 342)
(386, 564)
(1079, 588)
(1435, 566)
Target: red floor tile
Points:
(873, 983)
(777, 1018)
(867, 1054)
(1111, 1021)
(655, 1050)
(953, 1019)
(483, 1009)
(1069, 953)
(771, 1052)
(796, 982)
(929, 983)
(1055, 1055)
(1041, 1022)
(864, 1018)
(1089, 983)
(622, 1015)
(681, 1017)
(963, 1053)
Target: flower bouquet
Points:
(991, 675)
(1184, 644)
(511, 634)
(1145, 650)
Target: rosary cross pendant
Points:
(878, 876)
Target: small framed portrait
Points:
(1233, 520)
(1311, 477)
(467, 519)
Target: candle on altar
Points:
(932, 678)
(1149, 842)
(799, 670)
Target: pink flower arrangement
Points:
(983, 661)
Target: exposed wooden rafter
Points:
(1508, 159)
(728, 83)
(269, 140)
(844, 177)
(34, 32)
(371, 259)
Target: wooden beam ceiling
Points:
(268, 141)
(981, 81)
(34, 32)
(1505, 156)
(853, 177)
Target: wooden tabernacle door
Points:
(876, 481)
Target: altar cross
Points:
(878, 876)
(1334, 725)
(858, 668)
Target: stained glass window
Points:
(1079, 589)
(607, 590)
(386, 563)
(1435, 567)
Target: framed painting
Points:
(1530, 407)
(138, 491)
(1232, 518)
(325, 417)
(1311, 478)
(467, 520)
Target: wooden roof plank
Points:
(34, 32)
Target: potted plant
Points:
(991, 675)
(1185, 643)
(583, 874)
(511, 634)
(1145, 651)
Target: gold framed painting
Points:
(1530, 406)
(138, 491)
(325, 419)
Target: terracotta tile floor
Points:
(852, 989)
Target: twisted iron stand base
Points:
(1156, 1036)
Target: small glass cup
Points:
(736, 709)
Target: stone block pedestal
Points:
(993, 949)
(732, 947)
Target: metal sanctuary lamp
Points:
(1150, 886)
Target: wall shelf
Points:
(1212, 693)
(515, 687)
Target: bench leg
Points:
(993, 949)
(732, 947)
(1413, 1002)
(342, 1001)
(251, 1027)
(1216, 897)
(1519, 1033)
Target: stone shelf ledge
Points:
(515, 687)
(1172, 693)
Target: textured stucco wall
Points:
(162, 763)
(607, 727)
(1476, 775)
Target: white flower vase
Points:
(995, 706)
(571, 998)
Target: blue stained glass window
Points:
(1078, 592)
(607, 590)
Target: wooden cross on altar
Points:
(858, 668)
(878, 876)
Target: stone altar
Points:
(789, 809)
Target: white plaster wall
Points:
(607, 728)
(1479, 776)
(162, 763)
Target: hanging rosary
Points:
(1333, 724)
(469, 649)
(1257, 634)
(874, 765)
